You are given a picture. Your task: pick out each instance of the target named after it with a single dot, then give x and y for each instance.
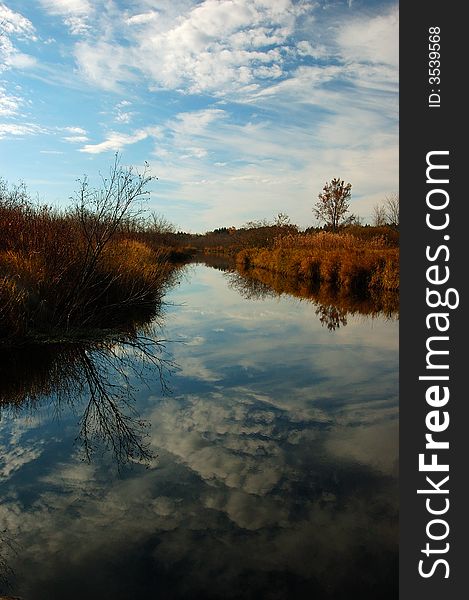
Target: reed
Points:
(341, 260)
(77, 269)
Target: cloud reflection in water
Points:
(276, 475)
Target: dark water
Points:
(267, 470)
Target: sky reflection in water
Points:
(274, 473)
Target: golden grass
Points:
(338, 259)
(50, 278)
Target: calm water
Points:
(268, 471)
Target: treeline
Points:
(97, 265)
(359, 259)
(230, 240)
(103, 262)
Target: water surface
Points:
(269, 469)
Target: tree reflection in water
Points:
(98, 378)
(332, 317)
(332, 306)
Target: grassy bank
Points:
(342, 260)
(91, 267)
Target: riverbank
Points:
(101, 263)
(341, 260)
(93, 267)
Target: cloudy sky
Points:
(242, 108)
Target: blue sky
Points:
(242, 108)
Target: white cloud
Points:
(373, 40)
(77, 25)
(372, 444)
(239, 47)
(305, 48)
(78, 135)
(20, 60)
(75, 130)
(76, 139)
(12, 459)
(142, 18)
(184, 129)
(194, 152)
(75, 13)
(9, 104)
(302, 83)
(215, 46)
(121, 114)
(16, 450)
(14, 23)
(124, 117)
(195, 122)
(116, 141)
(67, 7)
(104, 64)
(16, 130)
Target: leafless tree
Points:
(249, 287)
(379, 215)
(159, 224)
(102, 211)
(392, 209)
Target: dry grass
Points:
(53, 277)
(341, 260)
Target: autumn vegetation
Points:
(94, 267)
(341, 260)
(341, 253)
(103, 264)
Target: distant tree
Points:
(159, 224)
(282, 220)
(392, 210)
(353, 219)
(282, 227)
(333, 204)
(257, 224)
(15, 195)
(379, 217)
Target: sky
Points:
(242, 108)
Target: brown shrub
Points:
(54, 275)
